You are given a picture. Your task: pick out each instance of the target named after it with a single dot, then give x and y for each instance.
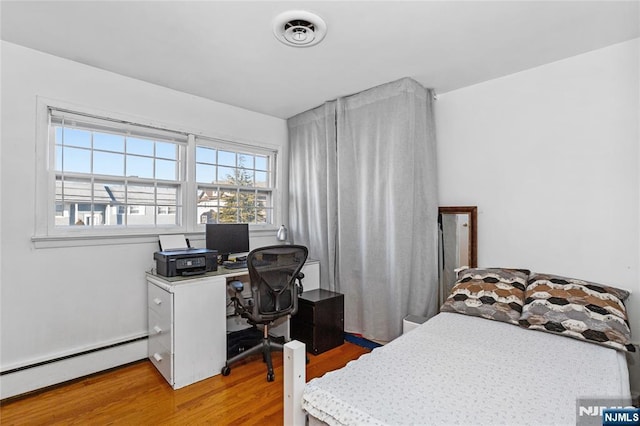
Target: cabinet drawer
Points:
(162, 358)
(159, 300)
(160, 329)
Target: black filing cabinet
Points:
(319, 323)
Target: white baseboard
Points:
(47, 374)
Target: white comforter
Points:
(456, 369)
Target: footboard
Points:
(294, 361)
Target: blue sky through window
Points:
(114, 155)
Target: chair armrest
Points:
(299, 277)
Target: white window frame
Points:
(222, 145)
(47, 235)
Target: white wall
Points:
(550, 157)
(58, 301)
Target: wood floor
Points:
(136, 394)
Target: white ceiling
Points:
(226, 51)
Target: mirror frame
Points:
(472, 211)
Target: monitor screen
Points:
(227, 238)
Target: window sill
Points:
(43, 242)
(77, 240)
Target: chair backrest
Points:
(273, 271)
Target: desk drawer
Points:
(159, 300)
(160, 329)
(162, 358)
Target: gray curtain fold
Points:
(378, 202)
(313, 186)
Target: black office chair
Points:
(273, 271)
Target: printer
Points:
(184, 261)
(192, 261)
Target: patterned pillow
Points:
(580, 309)
(494, 293)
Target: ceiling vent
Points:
(299, 28)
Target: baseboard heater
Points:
(28, 378)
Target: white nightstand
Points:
(410, 322)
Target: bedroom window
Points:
(105, 176)
(111, 174)
(234, 183)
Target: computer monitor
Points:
(227, 238)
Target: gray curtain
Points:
(313, 188)
(384, 255)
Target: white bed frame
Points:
(294, 357)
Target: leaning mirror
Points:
(458, 243)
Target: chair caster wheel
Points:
(225, 371)
(271, 377)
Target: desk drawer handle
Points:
(157, 357)
(157, 301)
(157, 329)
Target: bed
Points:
(483, 362)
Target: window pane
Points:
(75, 191)
(207, 209)
(244, 177)
(139, 146)
(167, 215)
(167, 195)
(58, 135)
(226, 158)
(107, 163)
(245, 160)
(226, 175)
(209, 215)
(107, 193)
(58, 158)
(162, 210)
(247, 215)
(166, 169)
(61, 219)
(108, 142)
(76, 137)
(75, 198)
(261, 163)
(205, 173)
(90, 215)
(166, 150)
(228, 215)
(76, 160)
(139, 166)
(228, 212)
(205, 155)
(263, 207)
(266, 213)
(246, 201)
(229, 198)
(140, 194)
(262, 179)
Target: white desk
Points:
(188, 322)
